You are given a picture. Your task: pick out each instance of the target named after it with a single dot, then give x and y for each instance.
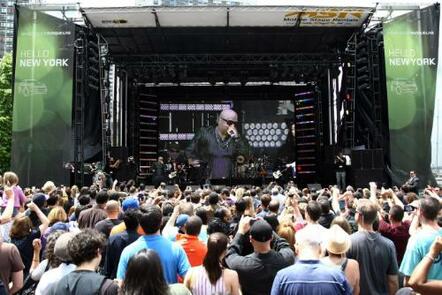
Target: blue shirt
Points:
(417, 247)
(172, 256)
(310, 277)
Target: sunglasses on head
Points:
(229, 122)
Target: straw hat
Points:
(338, 241)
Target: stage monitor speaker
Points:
(356, 159)
(363, 176)
(378, 159)
(314, 187)
(367, 159)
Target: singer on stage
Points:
(218, 146)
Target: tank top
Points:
(202, 285)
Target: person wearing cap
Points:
(175, 224)
(308, 275)
(128, 204)
(337, 245)
(375, 254)
(52, 276)
(257, 270)
(217, 146)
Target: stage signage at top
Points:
(241, 16)
(326, 17)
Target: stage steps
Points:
(148, 134)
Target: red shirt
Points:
(398, 234)
(194, 248)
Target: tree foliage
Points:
(5, 111)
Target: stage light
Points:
(269, 137)
(278, 132)
(255, 132)
(272, 144)
(258, 125)
(278, 144)
(284, 137)
(246, 126)
(261, 144)
(275, 125)
(258, 138)
(286, 131)
(266, 131)
(252, 126)
(275, 138)
(266, 144)
(283, 125)
(252, 138)
(272, 131)
(269, 125)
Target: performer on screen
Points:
(218, 146)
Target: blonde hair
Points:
(286, 230)
(10, 178)
(48, 187)
(239, 193)
(57, 214)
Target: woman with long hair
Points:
(144, 275)
(212, 278)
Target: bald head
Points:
(229, 115)
(112, 208)
(226, 119)
(193, 226)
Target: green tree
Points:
(5, 111)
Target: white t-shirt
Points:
(52, 276)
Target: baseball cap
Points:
(130, 203)
(61, 246)
(181, 220)
(261, 231)
(39, 199)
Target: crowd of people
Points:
(274, 239)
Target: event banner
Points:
(43, 90)
(411, 58)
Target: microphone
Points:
(232, 133)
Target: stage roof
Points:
(219, 30)
(234, 16)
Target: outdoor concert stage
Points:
(158, 74)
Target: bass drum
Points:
(241, 171)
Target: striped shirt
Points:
(203, 286)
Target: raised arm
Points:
(43, 219)
(418, 280)
(7, 214)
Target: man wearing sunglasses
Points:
(218, 146)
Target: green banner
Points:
(43, 90)
(411, 49)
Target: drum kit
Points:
(252, 169)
